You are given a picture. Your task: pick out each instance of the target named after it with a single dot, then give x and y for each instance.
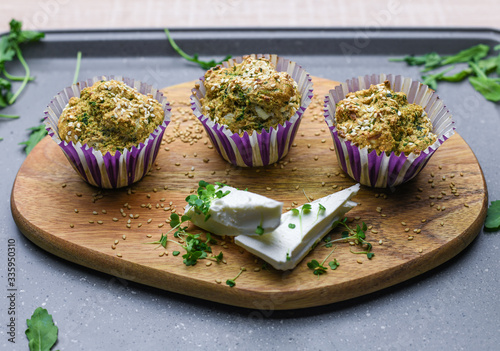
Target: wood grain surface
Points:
(369, 16)
(419, 225)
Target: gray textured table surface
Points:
(454, 306)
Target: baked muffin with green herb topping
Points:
(250, 96)
(386, 127)
(110, 116)
(380, 119)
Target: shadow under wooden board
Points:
(413, 229)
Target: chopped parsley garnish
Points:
(195, 247)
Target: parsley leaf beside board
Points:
(41, 332)
(492, 222)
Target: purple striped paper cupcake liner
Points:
(260, 148)
(384, 171)
(107, 171)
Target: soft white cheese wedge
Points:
(285, 247)
(238, 213)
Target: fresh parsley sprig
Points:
(206, 65)
(232, 282)
(319, 268)
(206, 194)
(357, 236)
(196, 248)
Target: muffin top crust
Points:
(110, 116)
(250, 96)
(382, 120)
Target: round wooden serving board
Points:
(53, 207)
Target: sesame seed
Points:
(403, 223)
(124, 237)
(71, 225)
(99, 222)
(268, 188)
(380, 242)
(374, 231)
(76, 210)
(209, 263)
(410, 238)
(442, 223)
(466, 204)
(423, 220)
(418, 197)
(316, 158)
(119, 255)
(116, 242)
(78, 194)
(91, 222)
(420, 250)
(113, 247)
(359, 261)
(129, 225)
(407, 230)
(218, 281)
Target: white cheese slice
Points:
(238, 213)
(285, 247)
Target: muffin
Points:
(109, 128)
(110, 116)
(251, 107)
(385, 128)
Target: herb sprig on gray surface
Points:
(9, 50)
(478, 72)
(39, 132)
(206, 65)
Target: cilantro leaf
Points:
(492, 222)
(41, 332)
